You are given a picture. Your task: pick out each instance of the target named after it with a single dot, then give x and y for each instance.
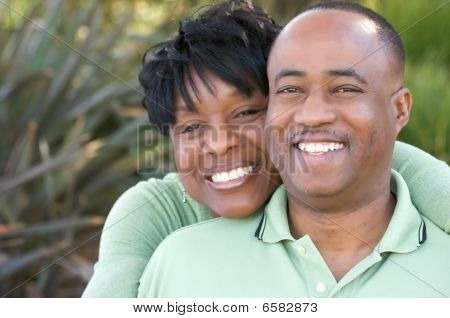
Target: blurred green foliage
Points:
(424, 33)
(74, 135)
(70, 115)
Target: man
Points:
(343, 225)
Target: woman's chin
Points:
(233, 212)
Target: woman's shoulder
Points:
(170, 185)
(159, 197)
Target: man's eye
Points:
(190, 128)
(347, 90)
(288, 90)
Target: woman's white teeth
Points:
(232, 174)
(320, 147)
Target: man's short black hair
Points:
(386, 32)
(230, 40)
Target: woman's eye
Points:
(248, 112)
(190, 128)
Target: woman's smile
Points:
(230, 179)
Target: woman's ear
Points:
(402, 102)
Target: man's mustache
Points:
(299, 135)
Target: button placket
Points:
(301, 249)
(317, 274)
(321, 287)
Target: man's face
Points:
(334, 104)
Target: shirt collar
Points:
(405, 232)
(274, 226)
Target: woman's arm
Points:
(138, 222)
(428, 181)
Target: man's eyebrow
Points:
(289, 72)
(349, 72)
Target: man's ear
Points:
(402, 102)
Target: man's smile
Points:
(319, 148)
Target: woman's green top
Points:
(151, 210)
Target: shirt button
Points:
(301, 249)
(321, 287)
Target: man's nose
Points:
(220, 139)
(315, 111)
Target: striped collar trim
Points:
(406, 230)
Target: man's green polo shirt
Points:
(258, 257)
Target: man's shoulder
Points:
(215, 234)
(205, 248)
(429, 263)
(434, 247)
(219, 229)
(194, 260)
(437, 239)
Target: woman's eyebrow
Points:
(182, 108)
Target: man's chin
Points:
(310, 188)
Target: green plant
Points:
(423, 26)
(70, 115)
(429, 124)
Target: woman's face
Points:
(219, 149)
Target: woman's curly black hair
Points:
(231, 40)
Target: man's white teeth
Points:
(319, 147)
(232, 174)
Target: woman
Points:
(207, 89)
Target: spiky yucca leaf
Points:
(67, 150)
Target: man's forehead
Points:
(328, 38)
(327, 23)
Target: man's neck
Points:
(345, 237)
